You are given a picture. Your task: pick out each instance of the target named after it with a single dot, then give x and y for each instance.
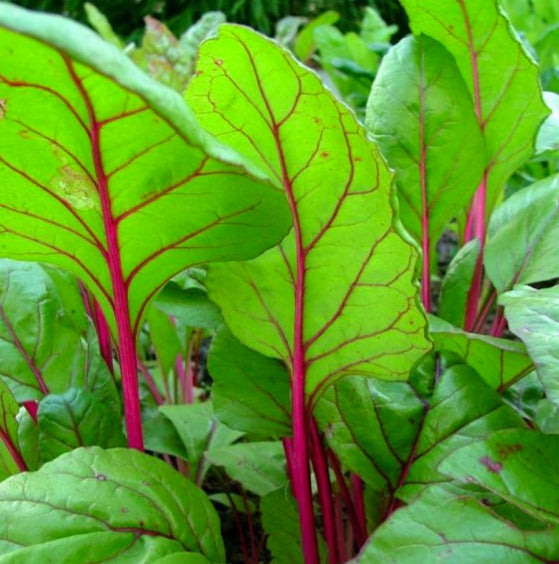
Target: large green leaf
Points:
(109, 175)
(250, 391)
(338, 295)
(524, 232)
(422, 115)
(501, 77)
(500, 362)
(117, 503)
(518, 465)
(46, 343)
(533, 316)
(443, 526)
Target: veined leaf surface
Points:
(501, 76)
(109, 175)
(338, 295)
(117, 503)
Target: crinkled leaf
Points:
(258, 466)
(518, 465)
(338, 295)
(371, 426)
(11, 460)
(46, 343)
(121, 496)
(524, 232)
(200, 432)
(422, 116)
(73, 419)
(456, 284)
(500, 75)
(533, 316)
(463, 409)
(500, 362)
(250, 391)
(442, 526)
(95, 153)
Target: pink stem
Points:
(14, 452)
(320, 466)
(104, 336)
(359, 504)
(159, 400)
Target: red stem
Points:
(159, 400)
(359, 504)
(320, 466)
(14, 452)
(104, 335)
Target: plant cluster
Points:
(200, 239)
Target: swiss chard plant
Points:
(228, 332)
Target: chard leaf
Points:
(533, 316)
(422, 116)
(501, 76)
(455, 528)
(120, 504)
(500, 362)
(108, 195)
(338, 295)
(519, 465)
(73, 419)
(11, 460)
(524, 232)
(250, 391)
(46, 343)
(462, 410)
(258, 466)
(200, 432)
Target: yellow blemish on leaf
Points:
(76, 188)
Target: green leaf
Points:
(101, 24)
(129, 160)
(73, 419)
(500, 362)
(11, 461)
(164, 339)
(501, 76)
(280, 521)
(46, 343)
(341, 286)
(533, 316)
(200, 433)
(422, 115)
(518, 465)
(258, 466)
(183, 558)
(442, 526)
(462, 410)
(524, 232)
(548, 135)
(374, 29)
(250, 391)
(456, 284)
(161, 435)
(28, 439)
(104, 499)
(189, 305)
(304, 44)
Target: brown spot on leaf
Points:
(490, 464)
(3, 106)
(325, 154)
(124, 509)
(101, 477)
(506, 450)
(218, 62)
